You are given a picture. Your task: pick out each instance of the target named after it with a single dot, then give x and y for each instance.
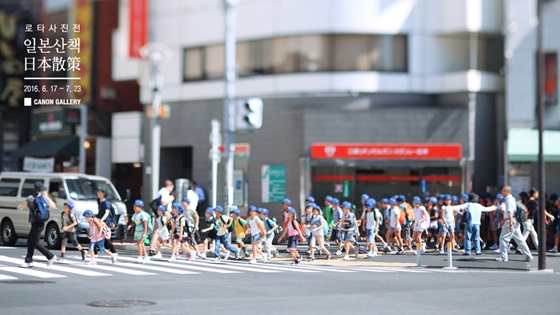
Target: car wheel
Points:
(9, 236)
(52, 236)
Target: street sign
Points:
(273, 179)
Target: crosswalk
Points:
(74, 266)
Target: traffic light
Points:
(249, 114)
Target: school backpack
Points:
(41, 211)
(325, 226)
(111, 220)
(402, 217)
(302, 234)
(230, 228)
(521, 213)
(69, 216)
(269, 224)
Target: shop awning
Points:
(54, 147)
(523, 145)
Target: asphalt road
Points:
(235, 287)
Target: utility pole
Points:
(540, 111)
(229, 98)
(156, 55)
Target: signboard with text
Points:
(389, 151)
(273, 178)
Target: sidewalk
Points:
(429, 260)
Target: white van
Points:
(81, 189)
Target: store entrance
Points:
(349, 183)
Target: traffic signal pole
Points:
(229, 98)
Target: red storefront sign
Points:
(387, 151)
(138, 25)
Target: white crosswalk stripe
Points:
(31, 272)
(277, 267)
(180, 264)
(73, 265)
(58, 267)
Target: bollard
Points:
(418, 255)
(450, 256)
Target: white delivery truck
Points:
(81, 189)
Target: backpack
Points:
(300, 227)
(270, 225)
(41, 211)
(520, 213)
(150, 224)
(402, 217)
(230, 228)
(111, 220)
(69, 216)
(154, 204)
(325, 226)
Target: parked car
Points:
(81, 189)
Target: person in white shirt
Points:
(421, 222)
(511, 228)
(165, 194)
(472, 228)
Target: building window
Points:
(297, 54)
(193, 64)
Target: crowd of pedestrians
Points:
(465, 224)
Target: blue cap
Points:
(441, 197)
(447, 197)
(370, 203)
(292, 210)
(335, 201)
(252, 208)
(402, 197)
(257, 209)
(465, 197)
(139, 203)
(399, 199)
(263, 211)
(88, 213)
(179, 208)
(427, 199)
(434, 200)
(287, 202)
(187, 200)
(219, 209)
(316, 207)
(392, 201)
(384, 200)
(500, 197)
(162, 208)
(365, 197)
(235, 210)
(347, 204)
(310, 199)
(417, 200)
(210, 210)
(103, 189)
(454, 199)
(70, 204)
(329, 198)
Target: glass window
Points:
(85, 189)
(351, 53)
(193, 64)
(214, 63)
(9, 187)
(491, 53)
(29, 186)
(307, 53)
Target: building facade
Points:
(377, 97)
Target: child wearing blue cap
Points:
(208, 234)
(271, 228)
(255, 227)
(161, 233)
(141, 222)
(69, 222)
(295, 232)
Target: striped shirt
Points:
(95, 232)
(337, 214)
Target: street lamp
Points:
(156, 55)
